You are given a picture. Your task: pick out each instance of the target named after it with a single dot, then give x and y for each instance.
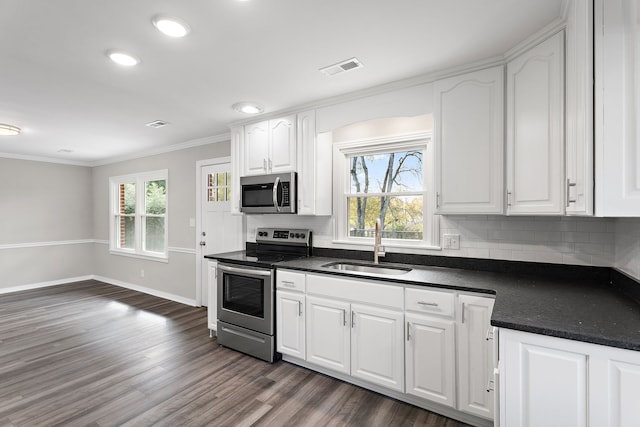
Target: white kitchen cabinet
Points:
(329, 333)
(535, 130)
(237, 144)
(290, 323)
(212, 283)
(430, 358)
(469, 143)
(476, 392)
(579, 194)
(270, 146)
(377, 346)
(554, 381)
(314, 167)
(617, 94)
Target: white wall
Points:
(177, 277)
(46, 223)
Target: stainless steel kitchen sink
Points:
(360, 267)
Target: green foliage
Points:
(156, 197)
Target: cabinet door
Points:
(475, 356)
(212, 283)
(328, 333)
(237, 162)
(469, 139)
(290, 323)
(617, 57)
(579, 120)
(376, 346)
(543, 384)
(535, 130)
(282, 137)
(614, 387)
(430, 360)
(256, 148)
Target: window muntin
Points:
(139, 215)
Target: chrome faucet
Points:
(378, 249)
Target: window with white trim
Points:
(138, 220)
(387, 179)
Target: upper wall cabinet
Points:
(270, 146)
(535, 130)
(579, 108)
(617, 60)
(314, 167)
(468, 132)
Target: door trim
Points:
(199, 252)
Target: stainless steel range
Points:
(246, 290)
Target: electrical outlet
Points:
(451, 241)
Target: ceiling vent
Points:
(157, 124)
(341, 67)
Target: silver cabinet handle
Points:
(276, 183)
(430, 304)
(489, 335)
(344, 317)
(299, 309)
(437, 200)
(353, 320)
(270, 165)
(288, 283)
(408, 331)
(462, 312)
(245, 270)
(569, 185)
(508, 198)
(264, 164)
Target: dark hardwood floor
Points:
(92, 354)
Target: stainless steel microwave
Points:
(269, 194)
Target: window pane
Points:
(126, 232)
(383, 173)
(221, 180)
(156, 197)
(127, 198)
(154, 234)
(212, 195)
(221, 194)
(403, 216)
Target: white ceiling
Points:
(57, 84)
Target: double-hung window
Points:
(138, 220)
(384, 179)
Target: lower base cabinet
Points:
(430, 358)
(290, 323)
(549, 381)
(328, 335)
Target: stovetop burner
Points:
(272, 245)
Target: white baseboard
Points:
(115, 282)
(146, 290)
(44, 284)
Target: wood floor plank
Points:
(93, 354)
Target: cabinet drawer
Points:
(365, 292)
(429, 301)
(290, 280)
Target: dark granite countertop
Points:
(581, 308)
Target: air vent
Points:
(157, 124)
(341, 67)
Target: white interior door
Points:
(219, 230)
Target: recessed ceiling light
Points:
(122, 58)
(172, 27)
(248, 108)
(8, 130)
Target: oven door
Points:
(246, 297)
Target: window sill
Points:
(420, 246)
(159, 258)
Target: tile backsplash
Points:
(605, 242)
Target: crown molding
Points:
(43, 159)
(536, 38)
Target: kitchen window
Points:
(389, 179)
(138, 220)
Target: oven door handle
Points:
(244, 270)
(275, 193)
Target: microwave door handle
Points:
(275, 194)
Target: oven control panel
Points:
(283, 236)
